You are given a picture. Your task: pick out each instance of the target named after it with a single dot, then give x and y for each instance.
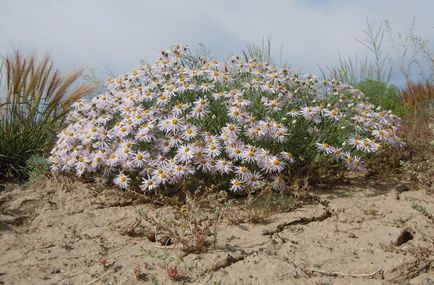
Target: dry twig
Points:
(335, 273)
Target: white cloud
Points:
(116, 35)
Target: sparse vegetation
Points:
(192, 226)
(354, 70)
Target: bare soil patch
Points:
(64, 232)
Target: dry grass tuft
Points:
(35, 91)
(418, 95)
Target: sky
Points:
(109, 36)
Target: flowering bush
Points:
(239, 124)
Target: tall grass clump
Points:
(419, 96)
(262, 53)
(353, 70)
(34, 99)
(237, 124)
(416, 63)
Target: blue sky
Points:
(116, 35)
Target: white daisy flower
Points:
(242, 172)
(287, 156)
(324, 147)
(213, 149)
(140, 158)
(236, 185)
(185, 153)
(274, 164)
(122, 181)
(189, 132)
(224, 166)
(254, 179)
(198, 112)
(148, 184)
(235, 152)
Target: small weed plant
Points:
(237, 124)
(37, 167)
(192, 227)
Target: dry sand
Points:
(70, 233)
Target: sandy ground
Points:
(70, 233)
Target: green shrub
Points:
(242, 125)
(383, 95)
(33, 103)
